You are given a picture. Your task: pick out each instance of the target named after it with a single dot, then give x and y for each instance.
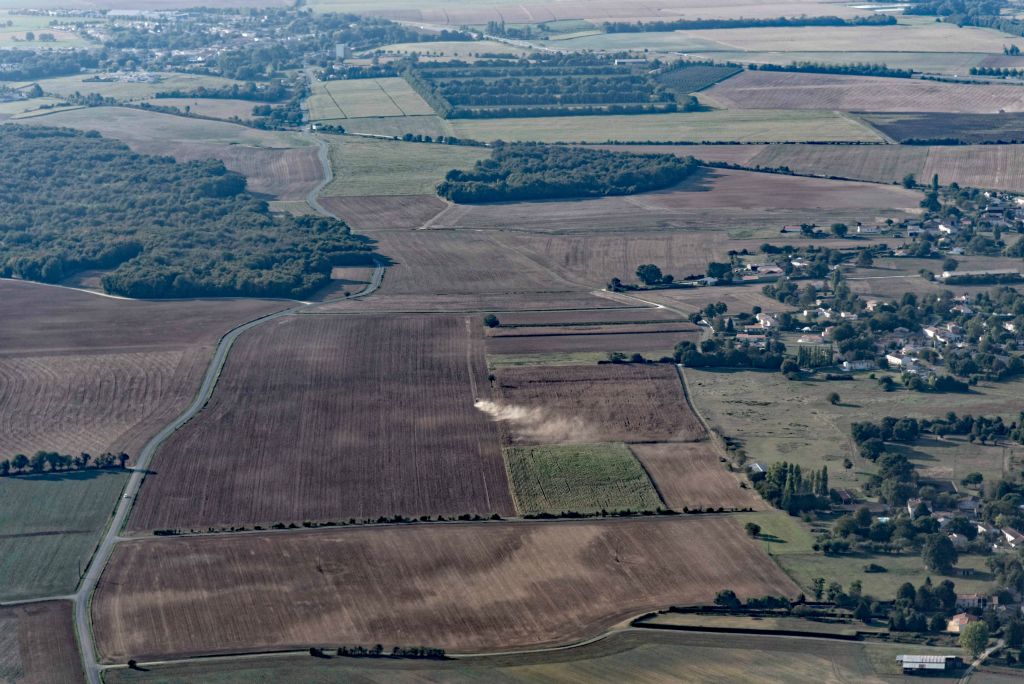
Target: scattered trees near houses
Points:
(974, 638)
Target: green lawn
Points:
(50, 525)
(752, 125)
(585, 478)
(367, 166)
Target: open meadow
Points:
(762, 90)
(217, 108)
(483, 587)
(50, 525)
(332, 101)
(38, 644)
(335, 417)
(661, 657)
(373, 167)
(597, 403)
(126, 89)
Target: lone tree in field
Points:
(753, 529)
(909, 181)
(974, 638)
(834, 399)
(840, 229)
(491, 321)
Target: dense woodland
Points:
(526, 171)
(703, 24)
(71, 201)
(543, 85)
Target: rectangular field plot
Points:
(595, 403)
(465, 588)
(366, 97)
(691, 476)
(327, 418)
(714, 126)
(781, 90)
(37, 644)
(49, 526)
(608, 340)
(585, 478)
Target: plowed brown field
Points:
(37, 644)
(80, 372)
(476, 587)
(332, 417)
(691, 476)
(595, 403)
(785, 90)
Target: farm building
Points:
(929, 663)
(959, 621)
(972, 601)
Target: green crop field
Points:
(368, 166)
(130, 90)
(397, 126)
(51, 524)
(585, 478)
(368, 97)
(713, 126)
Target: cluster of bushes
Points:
(726, 353)
(29, 65)
(524, 171)
(71, 201)
(55, 462)
(420, 652)
(704, 24)
(543, 85)
(786, 486)
(856, 69)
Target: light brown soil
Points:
(81, 372)
(384, 211)
(330, 417)
(607, 403)
(476, 587)
(691, 476)
(782, 90)
(39, 644)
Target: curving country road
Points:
(83, 597)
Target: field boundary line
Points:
(376, 82)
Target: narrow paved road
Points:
(83, 597)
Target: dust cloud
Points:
(537, 424)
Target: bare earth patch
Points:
(480, 587)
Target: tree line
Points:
(526, 171)
(56, 462)
(71, 201)
(788, 22)
(854, 69)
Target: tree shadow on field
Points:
(771, 538)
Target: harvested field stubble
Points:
(595, 403)
(382, 212)
(38, 644)
(691, 476)
(788, 90)
(327, 418)
(68, 383)
(476, 587)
